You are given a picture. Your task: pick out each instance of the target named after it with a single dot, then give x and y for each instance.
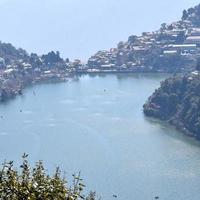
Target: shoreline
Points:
(174, 102)
(179, 126)
(12, 93)
(183, 129)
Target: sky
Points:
(79, 28)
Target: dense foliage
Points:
(35, 184)
(10, 54)
(52, 58)
(193, 15)
(178, 101)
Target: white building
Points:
(182, 47)
(192, 40)
(170, 52)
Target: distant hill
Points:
(178, 102)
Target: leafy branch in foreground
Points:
(34, 184)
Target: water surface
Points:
(96, 125)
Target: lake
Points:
(95, 124)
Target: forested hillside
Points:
(178, 101)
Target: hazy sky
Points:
(78, 28)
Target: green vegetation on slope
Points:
(34, 184)
(178, 101)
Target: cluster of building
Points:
(20, 73)
(173, 48)
(189, 46)
(176, 45)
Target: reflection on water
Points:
(95, 124)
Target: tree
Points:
(163, 26)
(185, 15)
(120, 45)
(170, 27)
(35, 184)
(181, 37)
(132, 38)
(52, 57)
(198, 10)
(191, 11)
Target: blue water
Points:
(95, 124)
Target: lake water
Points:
(96, 125)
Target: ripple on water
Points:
(177, 173)
(67, 101)
(97, 114)
(79, 109)
(51, 119)
(116, 118)
(107, 103)
(27, 112)
(96, 96)
(51, 125)
(28, 121)
(3, 133)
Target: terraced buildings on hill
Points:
(173, 48)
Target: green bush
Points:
(35, 184)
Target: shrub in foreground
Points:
(35, 184)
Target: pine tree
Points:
(185, 15)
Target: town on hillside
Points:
(173, 48)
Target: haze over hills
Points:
(174, 47)
(79, 28)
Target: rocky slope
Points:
(178, 102)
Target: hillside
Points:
(19, 69)
(178, 102)
(172, 48)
